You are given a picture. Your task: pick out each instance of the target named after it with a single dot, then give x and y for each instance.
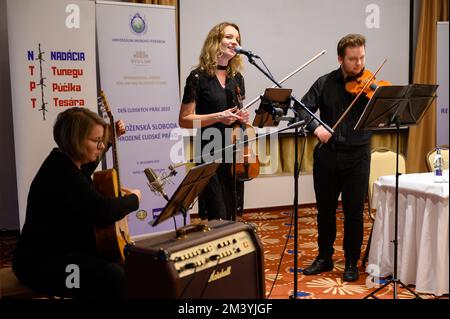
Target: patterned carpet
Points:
(274, 228)
(277, 235)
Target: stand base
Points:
(395, 282)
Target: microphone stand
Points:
(296, 167)
(183, 209)
(250, 56)
(318, 55)
(235, 196)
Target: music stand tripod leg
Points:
(394, 279)
(298, 131)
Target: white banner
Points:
(139, 75)
(52, 65)
(442, 80)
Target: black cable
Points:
(174, 222)
(189, 283)
(268, 71)
(207, 282)
(282, 256)
(290, 227)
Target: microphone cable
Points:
(290, 228)
(207, 280)
(265, 66)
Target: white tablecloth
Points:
(423, 239)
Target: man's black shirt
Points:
(329, 96)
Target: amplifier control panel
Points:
(212, 253)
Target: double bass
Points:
(111, 239)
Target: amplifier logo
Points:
(216, 275)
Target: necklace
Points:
(222, 67)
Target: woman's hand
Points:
(244, 114)
(229, 116)
(129, 191)
(120, 128)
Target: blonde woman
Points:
(210, 102)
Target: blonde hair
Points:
(72, 128)
(350, 40)
(211, 51)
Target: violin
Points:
(366, 83)
(247, 162)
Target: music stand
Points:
(274, 105)
(272, 109)
(395, 106)
(191, 187)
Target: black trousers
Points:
(97, 277)
(344, 172)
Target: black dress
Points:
(63, 208)
(217, 200)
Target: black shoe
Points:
(318, 266)
(351, 272)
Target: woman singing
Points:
(209, 103)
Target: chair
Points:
(383, 162)
(431, 154)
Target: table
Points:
(423, 239)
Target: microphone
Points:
(240, 50)
(155, 183)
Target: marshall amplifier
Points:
(221, 259)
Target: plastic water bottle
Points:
(438, 167)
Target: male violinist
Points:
(341, 160)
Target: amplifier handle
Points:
(183, 231)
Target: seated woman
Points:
(57, 241)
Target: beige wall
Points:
(9, 216)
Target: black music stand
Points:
(294, 122)
(190, 188)
(395, 106)
(274, 104)
(273, 107)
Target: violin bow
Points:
(357, 96)
(289, 76)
